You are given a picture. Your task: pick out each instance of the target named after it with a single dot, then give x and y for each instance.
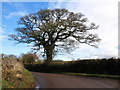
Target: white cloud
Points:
(13, 14)
(103, 13)
(2, 37)
(1, 34)
(1, 30)
(55, 0)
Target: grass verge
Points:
(28, 80)
(94, 75)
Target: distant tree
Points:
(38, 62)
(12, 56)
(7, 56)
(56, 29)
(3, 55)
(29, 58)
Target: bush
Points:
(29, 58)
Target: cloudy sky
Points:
(103, 12)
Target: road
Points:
(48, 80)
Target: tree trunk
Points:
(49, 54)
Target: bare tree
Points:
(29, 58)
(54, 29)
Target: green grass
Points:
(94, 75)
(6, 84)
(28, 80)
(28, 77)
(0, 83)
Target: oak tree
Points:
(50, 30)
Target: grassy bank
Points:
(14, 75)
(94, 75)
(27, 81)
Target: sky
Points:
(103, 12)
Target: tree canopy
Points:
(50, 30)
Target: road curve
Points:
(47, 80)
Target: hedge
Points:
(95, 66)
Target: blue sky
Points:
(11, 12)
(103, 13)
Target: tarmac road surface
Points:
(48, 80)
